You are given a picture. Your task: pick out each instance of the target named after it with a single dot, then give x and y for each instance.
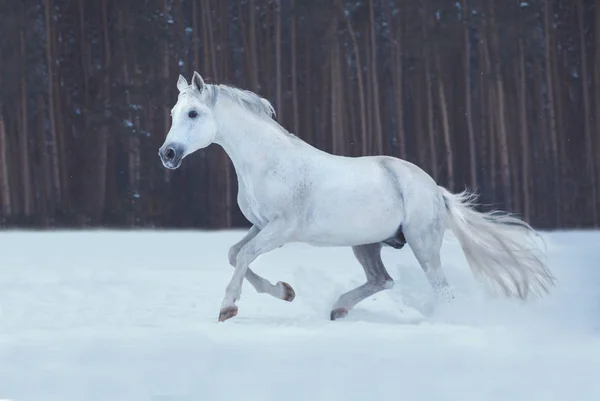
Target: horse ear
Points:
(198, 82)
(181, 83)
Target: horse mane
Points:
(245, 98)
(248, 100)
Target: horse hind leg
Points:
(378, 280)
(426, 244)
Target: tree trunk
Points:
(420, 133)
(482, 143)
(45, 170)
(181, 25)
(322, 140)
(428, 93)
(445, 124)
(13, 173)
(61, 137)
(296, 117)
(540, 209)
(53, 151)
(99, 192)
(334, 77)
(361, 91)
(132, 141)
(224, 45)
(524, 133)
(266, 61)
(84, 60)
(376, 108)
(5, 203)
(278, 75)
(597, 96)
(308, 116)
(502, 131)
(253, 48)
(563, 161)
(490, 113)
(337, 98)
(396, 74)
(196, 37)
(587, 115)
(229, 197)
(24, 137)
(371, 137)
(550, 88)
(468, 106)
(209, 41)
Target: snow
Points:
(132, 315)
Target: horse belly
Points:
(349, 218)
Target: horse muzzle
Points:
(171, 156)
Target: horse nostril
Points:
(170, 154)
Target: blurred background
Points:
(501, 96)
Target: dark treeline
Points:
(498, 95)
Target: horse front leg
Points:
(280, 290)
(273, 235)
(235, 248)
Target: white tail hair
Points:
(498, 247)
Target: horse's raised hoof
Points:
(228, 313)
(338, 313)
(288, 291)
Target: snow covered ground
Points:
(130, 316)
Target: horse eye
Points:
(193, 114)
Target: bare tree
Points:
(494, 95)
(502, 131)
(5, 204)
(468, 101)
(587, 115)
(24, 137)
(53, 151)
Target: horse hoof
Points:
(228, 313)
(288, 291)
(338, 313)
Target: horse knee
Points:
(244, 256)
(388, 284)
(385, 282)
(232, 255)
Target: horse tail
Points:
(498, 247)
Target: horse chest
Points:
(249, 204)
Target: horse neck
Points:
(248, 140)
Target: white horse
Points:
(293, 192)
